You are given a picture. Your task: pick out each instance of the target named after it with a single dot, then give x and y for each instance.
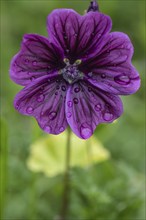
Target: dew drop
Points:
(89, 89)
(32, 78)
(61, 129)
(108, 116)
(98, 107)
(75, 34)
(52, 115)
(103, 76)
(77, 89)
(99, 35)
(122, 80)
(56, 93)
(26, 61)
(47, 128)
(65, 37)
(34, 63)
(86, 132)
(57, 87)
(17, 106)
(67, 50)
(29, 110)
(69, 114)
(125, 57)
(63, 88)
(41, 98)
(128, 47)
(90, 74)
(75, 101)
(69, 103)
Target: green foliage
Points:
(109, 190)
(3, 164)
(47, 157)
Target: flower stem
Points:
(65, 198)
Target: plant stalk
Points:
(65, 198)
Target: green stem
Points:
(65, 198)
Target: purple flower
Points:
(75, 76)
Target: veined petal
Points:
(77, 35)
(37, 57)
(111, 69)
(116, 49)
(87, 106)
(121, 80)
(45, 100)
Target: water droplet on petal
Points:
(63, 88)
(34, 63)
(122, 80)
(125, 57)
(75, 34)
(98, 107)
(128, 47)
(67, 50)
(108, 116)
(32, 78)
(62, 129)
(89, 89)
(75, 101)
(52, 115)
(41, 98)
(99, 35)
(86, 132)
(69, 103)
(47, 128)
(69, 114)
(17, 106)
(103, 76)
(57, 87)
(90, 74)
(29, 110)
(77, 89)
(56, 93)
(65, 37)
(26, 61)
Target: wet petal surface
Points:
(87, 106)
(78, 35)
(36, 58)
(45, 100)
(111, 68)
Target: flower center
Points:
(70, 72)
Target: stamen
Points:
(66, 60)
(70, 72)
(78, 62)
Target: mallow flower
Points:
(74, 77)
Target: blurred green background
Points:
(110, 187)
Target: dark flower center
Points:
(70, 72)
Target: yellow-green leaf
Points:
(47, 154)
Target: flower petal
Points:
(45, 100)
(121, 80)
(111, 69)
(87, 106)
(78, 35)
(36, 58)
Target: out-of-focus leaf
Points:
(3, 165)
(48, 153)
